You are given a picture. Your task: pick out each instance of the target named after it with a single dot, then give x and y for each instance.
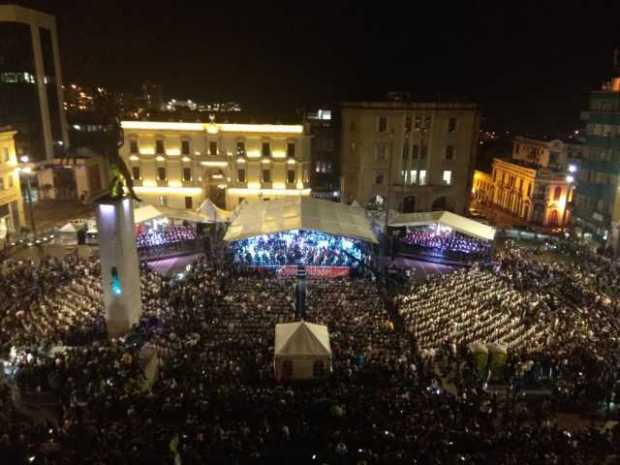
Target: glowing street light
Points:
(570, 179)
(572, 168)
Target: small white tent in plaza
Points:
(302, 351)
(459, 223)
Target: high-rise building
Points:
(323, 126)
(419, 155)
(11, 204)
(31, 97)
(179, 165)
(597, 200)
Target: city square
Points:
(394, 280)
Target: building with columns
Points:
(530, 193)
(31, 94)
(179, 165)
(11, 204)
(418, 155)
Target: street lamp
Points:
(27, 172)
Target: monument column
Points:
(119, 264)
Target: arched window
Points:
(553, 218)
(557, 193)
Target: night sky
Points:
(529, 66)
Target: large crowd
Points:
(215, 399)
(299, 246)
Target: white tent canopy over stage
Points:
(458, 223)
(299, 346)
(149, 212)
(268, 217)
(214, 213)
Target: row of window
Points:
(189, 202)
(160, 148)
(241, 174)
(421, 151)
(418, 177)
(9, 184)
(418, 122)
(607, 130)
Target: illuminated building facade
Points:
(552, 154)
(421, 155)
(530, 193)
(179, 165)
(31, 96)
(11, 204)
(597, 200)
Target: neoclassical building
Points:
(529, 192)
(11, 204)
(179, 165)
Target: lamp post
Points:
(27, 171)
(570, 179)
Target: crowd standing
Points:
(215, 399)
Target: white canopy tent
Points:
(68, 228)
(146, 213)
(266, 217)
(459, 223)
(301, 348)
(213, 213)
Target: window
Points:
(241, 149)
(404, 176)
(6, 154)
(266, 149)
(447, 177)
(417, 122)
(413, 177)
(159, 146)
(427, 122)
(422, 177)
(241, 175)
(529, 190)
(415, 151)
(352, 126)
(379, 177)
(452, 125)
(290, 150)
(163, 201)
(187, 174)
(161, 173)
(382, 124)
(290, 176)
(184, 147)
(1, 183)
(557, 193)
(423, 152)
(10, 178)
(133, 146)
(449, 152)
(405, 152)
(266, 175)
(408, 123)
(135, 172)
(213, 148)
(380, 152)
(189, 203)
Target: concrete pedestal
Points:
(119, 264)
